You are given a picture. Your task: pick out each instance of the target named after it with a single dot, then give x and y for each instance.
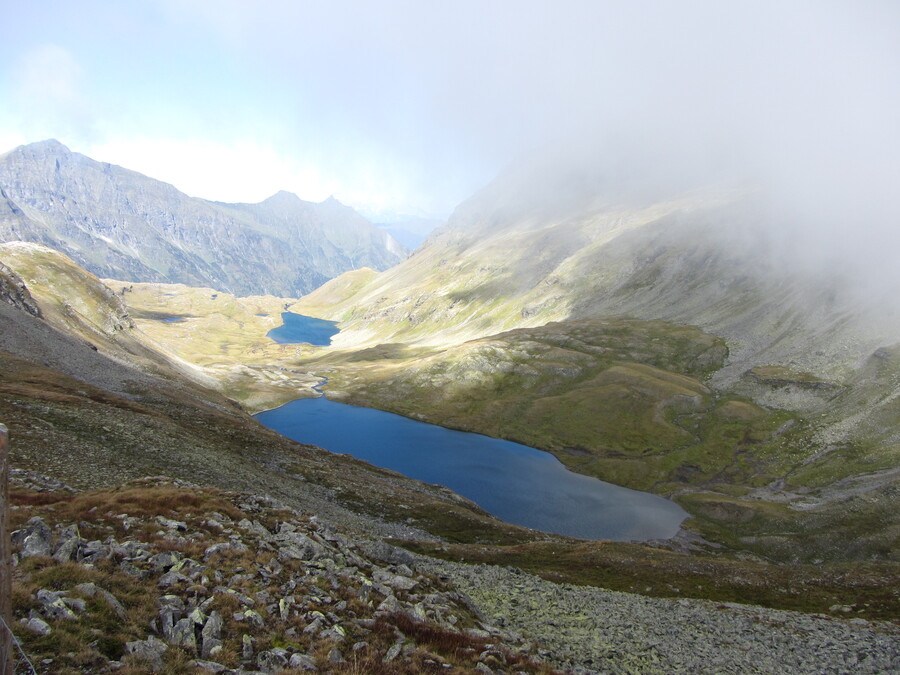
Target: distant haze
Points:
(410, 106)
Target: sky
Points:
(410, 107)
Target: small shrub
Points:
(111, 646)
(62, 577)
(225, 603)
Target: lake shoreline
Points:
(297, 329)
(518, 484)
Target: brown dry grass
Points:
(87, 643)
(147, 502)
(434, 645)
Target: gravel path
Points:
(590, 630)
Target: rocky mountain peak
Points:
(283, 197)
(50, 146)
(117, 223)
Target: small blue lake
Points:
(514, 482)
(297, 328)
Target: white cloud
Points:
(401, 101)
(239, 171)
(10, 139)
(46, 91)
(246, 170)
(49, 73)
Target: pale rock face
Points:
(120, 224)
(14, 292)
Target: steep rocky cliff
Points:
(13, 291)
(120, 224)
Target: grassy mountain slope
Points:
(790, 447)
(97, 417)
(100, 412)
(705, 259)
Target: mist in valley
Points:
(788, 110)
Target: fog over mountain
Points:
(837, 221)
(410, 107)
(795, 103)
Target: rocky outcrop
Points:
(230, 583)
(120, 224)
(13, 291)
(242, 584)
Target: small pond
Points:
(514, 482)
(297, 328)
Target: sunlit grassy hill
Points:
(483, 328)
(627, 399)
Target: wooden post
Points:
(6, 637)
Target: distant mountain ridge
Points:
(121, 224)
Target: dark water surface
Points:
(514, 482)
(298, 328)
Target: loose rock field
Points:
(591, 630)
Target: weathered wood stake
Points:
(6, 644)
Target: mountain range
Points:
(118, 223)
(673, 341)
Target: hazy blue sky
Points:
(411, 106)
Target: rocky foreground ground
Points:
(162, 576)
(590, 630)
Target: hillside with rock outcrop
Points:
(91, 400)
(174, 577)
(161, 575)
(786, 445)
(13, 291)
(118, 223)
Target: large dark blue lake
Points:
(514, 482)
(297, 328)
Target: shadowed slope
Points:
(97, 413)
